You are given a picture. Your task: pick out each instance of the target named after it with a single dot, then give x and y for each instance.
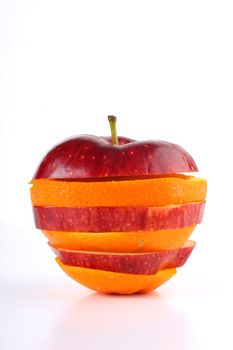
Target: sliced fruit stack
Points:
(117, 212)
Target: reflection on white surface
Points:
(48, 318)
(126, 322)
(68, 316)
(53, 319)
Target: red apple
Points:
(88, 157)
(136, 263)
(118, 219)
(92, 158)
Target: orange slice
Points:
(114, 282)
(120, 241)
(159, 191)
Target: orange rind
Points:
(159, 191)
(116, 283)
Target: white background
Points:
(165, 68)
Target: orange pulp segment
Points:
(159, 191)
(114, 282)
(123, 242)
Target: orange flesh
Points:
(159, 191)
(124, 242)
(187, 244)
(116, 283)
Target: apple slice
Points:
(156, 192)
(118, 219)
(121, 242)
(114, 282)
(135, 263)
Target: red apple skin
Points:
(118, 219)
(91, 157)
(141, 263)
(182, 255)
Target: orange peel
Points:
(115, 282)
(160, 191)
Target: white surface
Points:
(66, 316)
(165, 69)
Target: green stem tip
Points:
(112, 121)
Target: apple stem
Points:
(112, 121)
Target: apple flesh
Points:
(90, 157)
(136, 263)
(118, 219)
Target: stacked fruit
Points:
(118, 213)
